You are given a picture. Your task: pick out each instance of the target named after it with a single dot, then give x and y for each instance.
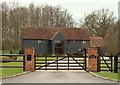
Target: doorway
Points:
(59, 47)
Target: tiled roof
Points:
(96, 42)
(49, 33)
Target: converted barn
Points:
(56, 40)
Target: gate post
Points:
(85, 59)
(111, 62)
(115, 64)
(29, 59)
(98, 64)
(92, 59)
(24, 63)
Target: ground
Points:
(57, 77)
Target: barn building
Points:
(56, 40)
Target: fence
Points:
(116, 63)
(15, 59)
(105, 63)
(109, 63)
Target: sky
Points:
(119, 11)
(77, 8)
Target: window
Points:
(59, 47)
(57, 41)
(39, 41)
(84, 42)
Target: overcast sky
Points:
(77, 8)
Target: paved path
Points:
(56, 77)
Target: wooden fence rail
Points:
(12, 60)
(105, 63)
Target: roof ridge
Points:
(50, 33)
(56, 34)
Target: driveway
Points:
(56, 77)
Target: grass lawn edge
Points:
(103, 77)
(15, 75)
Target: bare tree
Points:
(16, 16)
(102, 23)
(98, 22)
(111, 41)
(5, 24)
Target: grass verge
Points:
(10, 71)
(110, 75)
(5, 72)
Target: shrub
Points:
(21, 51)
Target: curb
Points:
(103, 77)
(15, 75)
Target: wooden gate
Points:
(106, 63)
(69, 62)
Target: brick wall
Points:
(29, 63)
(92, 59)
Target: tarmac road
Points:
(56, 77)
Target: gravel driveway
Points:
(56, 77)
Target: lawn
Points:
(5, 72)
(119, 71)
(10, 71)
(109, 75)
